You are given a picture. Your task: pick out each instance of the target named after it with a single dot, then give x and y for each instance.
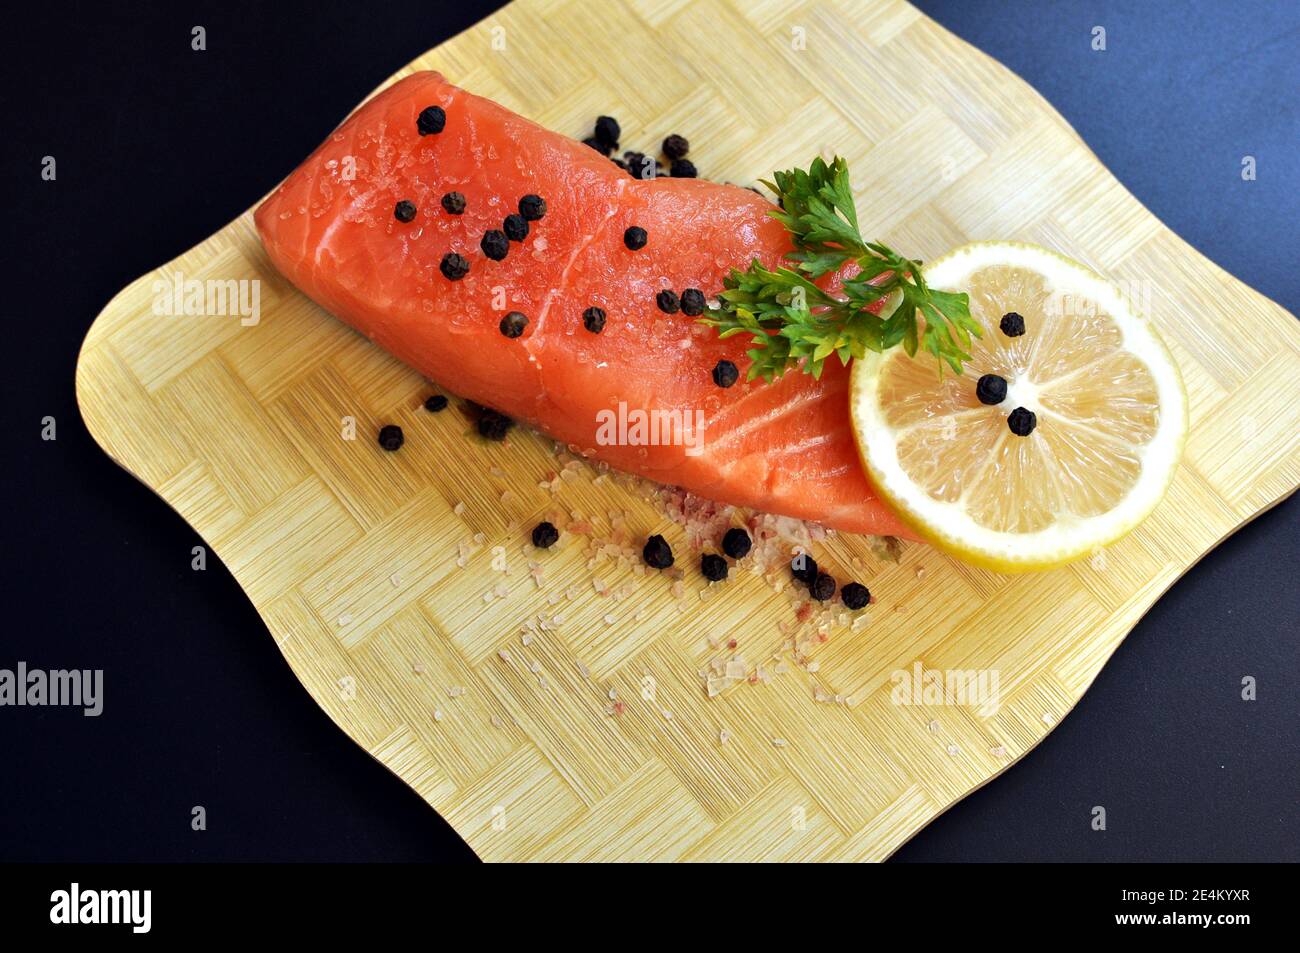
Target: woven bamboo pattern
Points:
(593, 738)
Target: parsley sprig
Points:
(793, 321)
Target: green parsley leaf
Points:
(791, 320)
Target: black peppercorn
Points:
(804, 568)
(390, 437)
(713, 567)
(657, 553)
(453, 203)
(432, 119)
(725, 373)
(493, 424)
(495, 244)
(513, 324)
(991, 389)
(608, 131)
(545, 535)
(593, 319)
(822, 588)
(736, 543)
(635, 238)
(532, 207)
(667, 301)
(640, 165)
(693, 302)
(1022, 422)
(1012, 324)
(855, 595)
(435, 403)
(404, 211)
(515, 227)
(676, 147)
(682, 169)
(453, 266)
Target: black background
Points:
(158, 146)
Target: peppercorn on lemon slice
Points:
(1061, 436)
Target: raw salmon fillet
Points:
(785, 447)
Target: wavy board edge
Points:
(1245, 480)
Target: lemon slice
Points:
(1109, 415)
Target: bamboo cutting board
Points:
(548, 721)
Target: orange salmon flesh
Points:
(639, 395)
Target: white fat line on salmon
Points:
(753, 421)
(76, 906)
(650, 428)
(975, 687)
(75, 688)
(558, 292)
(216, 297)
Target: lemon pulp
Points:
(1108, 402)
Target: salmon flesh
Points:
(640, 394)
